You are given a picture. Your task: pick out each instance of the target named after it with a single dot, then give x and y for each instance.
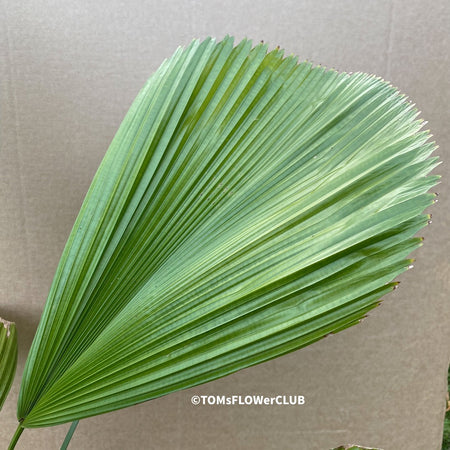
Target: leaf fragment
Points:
(8, 357)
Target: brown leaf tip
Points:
(7, 324)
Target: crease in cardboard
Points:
(12, 92)
(389, 40)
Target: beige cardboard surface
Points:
(69, 71)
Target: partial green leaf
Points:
(354, 447)
(248, 206)
(8, 357)
(446, 433)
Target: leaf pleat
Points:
(248, 206)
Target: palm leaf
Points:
(248, 206)
(8, 357)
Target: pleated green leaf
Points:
(8, 357)
(248, 206)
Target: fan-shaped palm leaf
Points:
(248, 206)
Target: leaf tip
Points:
(8, 325)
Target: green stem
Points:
(16, 437)
(69, 435)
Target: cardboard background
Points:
(69, 71)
